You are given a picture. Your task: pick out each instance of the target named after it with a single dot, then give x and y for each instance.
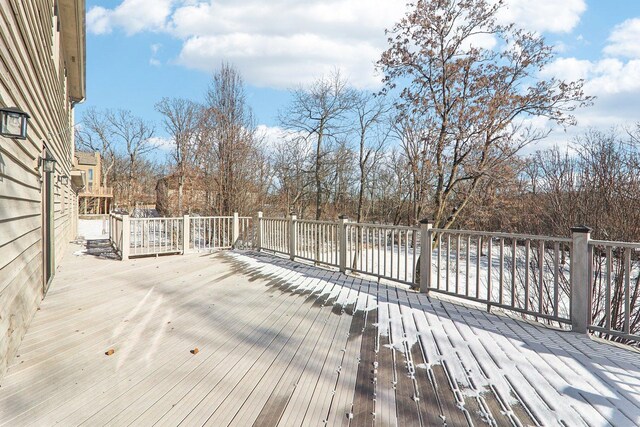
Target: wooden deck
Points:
(282, 343)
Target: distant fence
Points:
(133, 237)
(579, 282)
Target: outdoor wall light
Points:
(48, 163)
(13, 123)
(63, 179)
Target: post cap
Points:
(343, 216)
(580, 229)
(426, 221)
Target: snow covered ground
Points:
(93, 229)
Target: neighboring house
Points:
(195, 198)
(42, 73)
(94, 199)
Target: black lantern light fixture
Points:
(63, 179)
(48, 162)
(13, 122)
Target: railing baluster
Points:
(478, 256)
(468, 267)
(501, 283)
(439, 263)
(527, 248)
(446, 263)
(489, 267)
(627, 290)
(607, 298)
(541, 276)
(556, 278)
(398, 258)
(385, 252)
(457, 263)
(406, 255)
(514, 264)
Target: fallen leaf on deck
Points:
(195, 351)
(109, 352)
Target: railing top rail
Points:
(315, 221)
(504, 235)
(161, 218)
(386, 226)
(630, 245)
(217, 217)
(275, 219)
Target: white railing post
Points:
(426, 252)
(186, 234)
(580, 280)
(126, 230)
(293, 225)
(342, 233)
(236, 230)
(259, 232)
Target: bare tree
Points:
(180, 121)
(293, 170)
(318, 111)
(475, 101)
(372, 128)
(416, 143)
(232, 158)
(134, 135)
(94, 134)
(124, 142)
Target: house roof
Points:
(86, 158)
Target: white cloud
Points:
(99, 20)
(625, 39)
(281, 43)
(614, 82)
(282, 62)
(164, 144)
(554, 16)
(273, 136)
(133, 16)
(270, 135)
(568, 69)
(155, 48)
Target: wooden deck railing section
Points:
(155, 236)
(576, 283)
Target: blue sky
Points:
(141, 50)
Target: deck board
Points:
(284, 343)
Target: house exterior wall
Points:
(42, 46)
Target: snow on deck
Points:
(283, 343)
